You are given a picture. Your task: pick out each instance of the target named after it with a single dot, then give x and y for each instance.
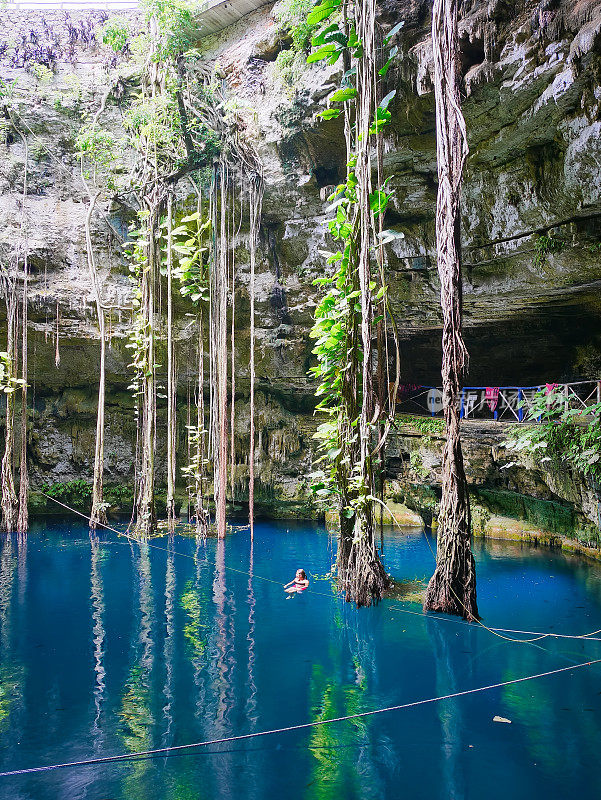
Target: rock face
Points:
(531, 225)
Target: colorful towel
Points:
(492, 397)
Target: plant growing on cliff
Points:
(351, 439)
(292, 17)
(115, 34)
(76, 493)
(545, 245)
(564, 438)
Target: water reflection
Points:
(12, 674)
(169, 645)
(97, 556)
(130, 649)
(449, 711)
(136, 715)
(343, 690)
(221, 668)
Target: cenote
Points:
(116, 647)
(300, 399)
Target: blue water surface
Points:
(113, 647)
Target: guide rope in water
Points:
(162, 751)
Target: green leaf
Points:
(322, 37)
(386, 100)
(330, 113)
(378, 201)
(322, 11)
(393, 31)
(341, 95)
(326, 51)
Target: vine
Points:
(351, 439)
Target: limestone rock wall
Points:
(532, 102)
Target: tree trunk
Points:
(452, 588)
(360, 569)
(202, 517)
(23, 516)
(219, 356)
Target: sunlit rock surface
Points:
(533, 109)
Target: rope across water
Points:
(185, 748)
(162, 751)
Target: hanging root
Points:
(452, 588)
(360, 571)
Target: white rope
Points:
(289, 728)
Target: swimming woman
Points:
(298, 584)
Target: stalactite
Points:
(452, 588)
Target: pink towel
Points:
(492, 397)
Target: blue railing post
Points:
(462, 412)
(520, 409)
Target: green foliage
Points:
(140, 332)
(176, 24)
(565, 438)
(417, 465)
(43, 73)
(291, 15)
(119, 495)
(190, 248)
(98, 152)
(545, 245)
(76, 493)
(338, 315)
(97, 145)
(8, 382)
(156, 122)
(115, 33)
(429, 426)
(287, 65)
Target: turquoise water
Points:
(113, 648)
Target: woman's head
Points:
(300, 574)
